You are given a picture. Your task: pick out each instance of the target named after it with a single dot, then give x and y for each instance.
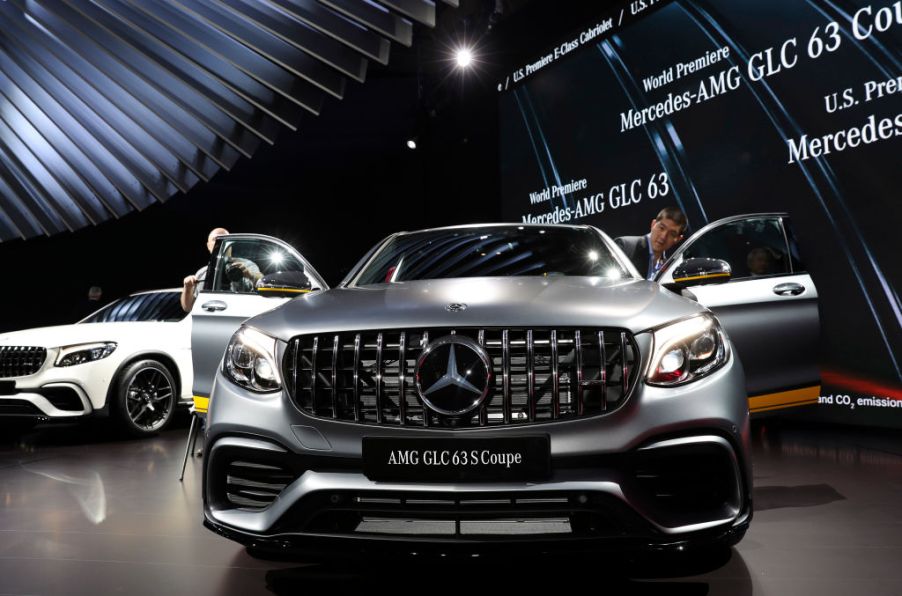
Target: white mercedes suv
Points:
(130, 360)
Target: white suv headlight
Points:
(82, 353)
(687, 350)
(250, 361)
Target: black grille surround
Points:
(540, 375)
(21, 361)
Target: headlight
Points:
(250, 361)
(686, 351)
(81, 353)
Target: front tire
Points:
(144, 398)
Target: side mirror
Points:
(698, 272)
(283, 284)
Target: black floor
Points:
(84, 512)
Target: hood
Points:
(65, 335)
(557, 301)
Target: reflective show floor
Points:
(83, 512)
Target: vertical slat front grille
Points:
(21, 361)
(539, 375)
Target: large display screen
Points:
(730, 107)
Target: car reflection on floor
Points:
(82, 509)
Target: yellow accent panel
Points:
(785, 399)
(695, 277)
(286, 290)
(784, 407)
(201, 404)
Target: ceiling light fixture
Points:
(464, 57)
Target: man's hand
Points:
(239, 266)
(249, 272)
(187, 297)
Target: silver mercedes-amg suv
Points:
(474, 386)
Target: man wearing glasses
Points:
(649, 252)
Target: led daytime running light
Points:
(72, 355)
(687, 350)
(250, 361)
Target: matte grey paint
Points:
(713, 408)
(714, 404)
(635, 305)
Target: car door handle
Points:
(214, 305)
(789, 289)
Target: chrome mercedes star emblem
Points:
(456, 307)
(453, 375)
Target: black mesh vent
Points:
(63, 398)
(18, 407)
(255, 485)
(462, 515)
(540, 375)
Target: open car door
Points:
(768, 307)
(248, 274)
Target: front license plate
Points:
(457, 460)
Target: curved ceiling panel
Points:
(109, 106)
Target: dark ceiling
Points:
(335, 186)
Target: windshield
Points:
(492, 251)
(155, 306)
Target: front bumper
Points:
(54, 392)
(56, 400)
(668, 469)
(327, 547)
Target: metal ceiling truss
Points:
(109, 106)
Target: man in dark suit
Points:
(649, 252)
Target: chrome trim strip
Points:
(402, 394)
(313, 376)
(357, 378)
(578, 344)
(379, 417)
(624, 381)
(506, 374)
(484, 408)
(603, 371)
(336, 344)
(295, 365)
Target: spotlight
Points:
(411, 144)
(464, 57)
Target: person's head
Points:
(94, 293)
(667, 229)
(213, 235)
(760, 261)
